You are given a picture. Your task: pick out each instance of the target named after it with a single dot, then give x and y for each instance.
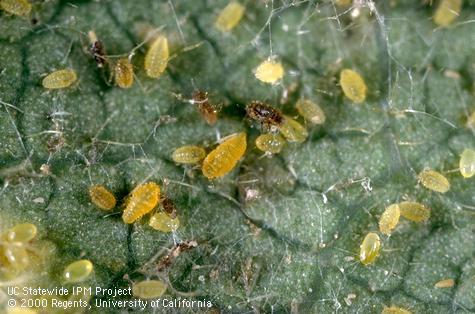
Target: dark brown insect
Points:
(169, 207)
(207, 110)
(168, 259)
(97, 49)
(269, 117)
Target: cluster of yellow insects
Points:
(413, 211)
(15, 249)
(141, 201)
(19, 254)
(276, 130)
(122, 70)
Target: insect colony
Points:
(276, 128)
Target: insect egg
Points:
(353, 85)
(156, 58)
(141, 201)
(59, 79)
(163, 222)
(229, 17)
(149, 289)
(293, 131)
(269, 71)
(124, 73)
(270, 143)
(16, 7)
(369, 248)
(389, 219)
(414, 211)
(310, 111)
(434, 181)
(190, 154)
(394, 310)
(22, 233)
(447, 12)
(467, 163)
(78, 271)
(225, 156)
(102, 197)
(445, 283)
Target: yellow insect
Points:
(190, 154)
(16, 255)
(447, 12)
(467, 163)
(156, 58)
(270, 143)
(445, 283)
(124, 73)
(434, 181)
(225, 156)
(389, 219)
(141, 201)
(353, 85)
(78, 271)
(292, 130)
(395, 310)
(16, 7)
(369, 248)
(269, 71)
(102, 197)
(163, 222)
(229, 17)
(414, 211)
(24, 232)
(59, 79)
(310, 111)
(149, 289)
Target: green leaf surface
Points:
(279, 233)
